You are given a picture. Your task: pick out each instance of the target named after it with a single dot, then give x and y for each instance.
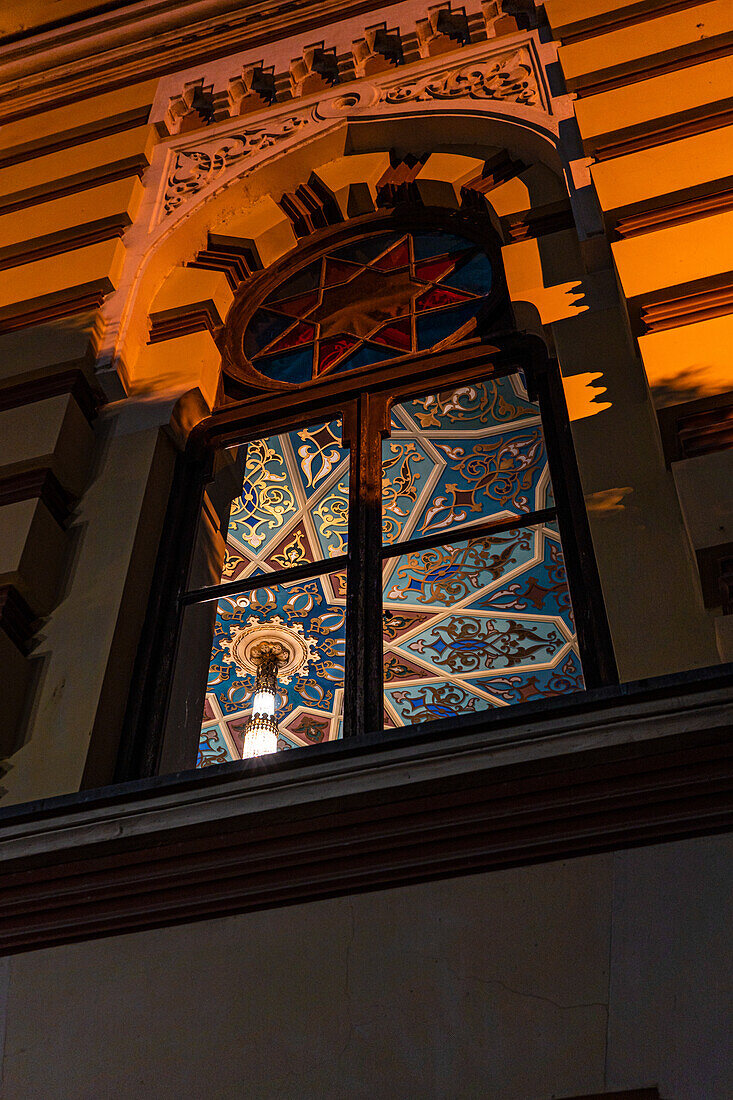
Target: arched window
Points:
(390, 512)
(389, 293)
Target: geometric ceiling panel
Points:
(469, 454)
(477, 624)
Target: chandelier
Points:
(274, 652)
(260, 735)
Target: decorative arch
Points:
(195, 296)
(248, 190)
(222, 240)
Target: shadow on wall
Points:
(66, 342)
(584, 395)
(690, 384)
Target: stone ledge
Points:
(617, 767)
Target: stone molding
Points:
(321, 66)
(189, 186)
(112, 49)
(488, 73)
(37, 484)
(16, 618)
(191, 170)
(638, 764)
(144, 40)
(43, 385)
(490, 88)
(510, 77)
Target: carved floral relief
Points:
(509, 78)
(194, 169)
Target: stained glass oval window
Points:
(387, 295)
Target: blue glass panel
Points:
(267, 504)
(476, 406)
(473, 275)
(366, 356)
(480, 478)
(310, 705)
(477, 623)
(215, 748)
(456, 572)
(522, 685)
(264, 327)
(331, 518)
(322, 463)
(292, 366)
(435, 244)
(434, 327)
(429, 702)
(460, 456)
(542, 589)
(293, 505)
(364, 251)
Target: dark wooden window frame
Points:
(363, 400)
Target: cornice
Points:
(506, 72)
(146, 40)
(16, 618)
(36, 484)
(38, 387)
(633, 765)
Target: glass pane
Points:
(477, 624)
(363, 251)
(287, 504)
(368, 302)
(308, 619)
(462, 456)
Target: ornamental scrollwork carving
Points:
(507, 78)
(194, 169)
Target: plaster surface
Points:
(671, 996)
(486, 986)
(70, 659)
(601, 973)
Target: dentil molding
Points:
(512, 77)
(151, 38)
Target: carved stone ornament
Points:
(505, 78)
(194, 169)
(296, 649)
(509, 76)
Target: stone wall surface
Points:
(566, 980)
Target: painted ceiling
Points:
(470, 624)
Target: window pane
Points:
(461, 456)
(477, 624)
(308, 616)
(214, 675)
(287, 504)
(370, 301)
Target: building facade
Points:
(390, 345)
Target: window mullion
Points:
(363, 709)
(466, 532)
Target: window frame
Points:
(363, 399)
